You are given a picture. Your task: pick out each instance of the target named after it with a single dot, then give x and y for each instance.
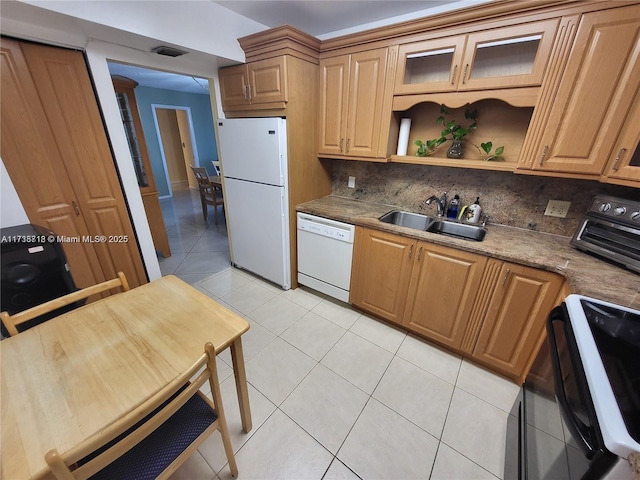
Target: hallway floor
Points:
(335, 393)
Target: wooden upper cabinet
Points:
(624, 162)
(352, 105)
(381, 273)
(254, 84)
(594, 97)
(513, 56)
(515, 318)
(443, 288)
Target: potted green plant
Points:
(457, 133)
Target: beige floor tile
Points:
(492, 388)
(477, 430)
(415, 394)
(305, 297)
(314, 335)
(451, 465)
(337, 312)
(225, 282)
(207, 262)
(385, 445)
(280, 449)
(249, 297)
(194, 468)
(254, 340)
(326, 406)
(278, 369)
(433, 359)
(339, 471)
(358, 361)
(378, 332)
(278, 314)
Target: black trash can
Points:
(34, 270)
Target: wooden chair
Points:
(209, 194)
(11, 322)
(156, 437)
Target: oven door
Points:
(573, 397)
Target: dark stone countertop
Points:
(587, 275)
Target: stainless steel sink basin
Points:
(433, 225)
(407, 219)
(460, 230)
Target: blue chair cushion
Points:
(155, 453)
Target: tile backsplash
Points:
(508, 198)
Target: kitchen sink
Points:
(430, 224)
(407, 219)
(461, 230)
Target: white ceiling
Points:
(321, 18)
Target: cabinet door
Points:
(443, 287)
(595, 94)
(64, 88)
(267, 80)
(514, 56)
(516, 316)
(430, 66)
(366, 97)
(234, 86)
(33, 161)
(334, 90)
(624, 162)
(381, 273)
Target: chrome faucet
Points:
(441, 203)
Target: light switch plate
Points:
(352, 182)
(557, 208)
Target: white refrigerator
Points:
(254, 166)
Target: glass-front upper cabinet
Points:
(513, 56)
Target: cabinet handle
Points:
(75, 207)
(348, 140)
(453, 77)
(246, 87)
(464, 74)
(506, 275)
(621, 153)
(419, 253)
(250, 97)
(544, 154)
(341, 143)
(410, 251)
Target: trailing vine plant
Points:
(453, 131)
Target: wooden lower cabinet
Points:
(442, 291)
(381, 272)
(488, 310)
(515, 319)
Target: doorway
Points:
(174, 128)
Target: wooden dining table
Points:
(70, 377)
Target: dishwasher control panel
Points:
(326, 228)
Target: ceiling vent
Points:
(168, 51)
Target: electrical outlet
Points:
(352, 182)
(557, 208)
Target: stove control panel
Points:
(616, 209)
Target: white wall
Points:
(192, 25)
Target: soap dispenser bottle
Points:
(474, 211)
(454, 205)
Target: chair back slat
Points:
(11, 322)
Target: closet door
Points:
(54, 90)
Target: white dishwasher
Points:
(325, 251)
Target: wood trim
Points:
(517, 97)
(284, 40)
(486, 11)
(453, 163)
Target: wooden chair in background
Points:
(175, 422)
(11, 322)
(209, 194)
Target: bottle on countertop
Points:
(474, 211)
(454, 205)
